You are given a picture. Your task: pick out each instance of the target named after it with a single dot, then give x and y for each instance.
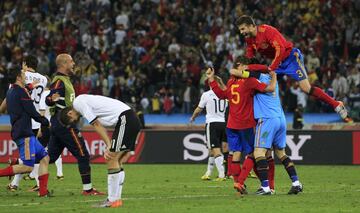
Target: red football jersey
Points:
(269, 42)
(240, 93)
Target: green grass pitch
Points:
(178, 188)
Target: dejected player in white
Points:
(215, 131)
(104, 112)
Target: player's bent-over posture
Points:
(62, 94)
(104, 112)
(286, 59)
(21, 110)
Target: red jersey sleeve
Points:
(255, 84)
(258, 67)
(278, 42)
(217, 90)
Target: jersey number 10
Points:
(220, 105)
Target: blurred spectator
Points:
(136, 41)
(301, 97)
(298, 118)
(354, 102)
(340, 86)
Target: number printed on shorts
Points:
(299, 73)
(235, 99)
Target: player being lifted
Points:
(241, 123)
(104, 112)
(21, 110)
(286, 59)
(214, 129)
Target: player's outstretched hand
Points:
(55, 97)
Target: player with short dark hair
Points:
(286, 59)
(241, 123)
(104, 112)
(21, 110)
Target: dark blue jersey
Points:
(21, 109)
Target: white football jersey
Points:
(43, 104)
(215, 107)
(106, 110)
(37, 93)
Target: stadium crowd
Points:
(153, 53)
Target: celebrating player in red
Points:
(286, 59)
(241, 123)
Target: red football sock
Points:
(271, 174)
(8, 171)
(321, 95)
(43, 182)
(246, 169)
(229, 160)
(235, 170)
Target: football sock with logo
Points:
(229, 161)
(219, 162)
(226, 162)
(247, 166)
(271, 174)
(235, 170)
(113, 184)
(321, 95)
(121, 183)
(290, 168)
(210, 165)
(262, 168)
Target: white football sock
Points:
(121, 183)
(113, 186)
(59, 170)
(35, 173)
(210, 166)
(219, 162)
(16, 180)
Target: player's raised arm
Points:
(220, 93)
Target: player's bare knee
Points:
(280, 153)
(225, 147)
(216, 152)
(45, 160)
(305, 86)
(259, 152)
(236, 156)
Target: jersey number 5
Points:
(235, 99)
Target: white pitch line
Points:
(133, 198)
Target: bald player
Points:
(62, 94)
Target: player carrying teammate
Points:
(286, 59)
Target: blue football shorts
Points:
(241, 140)
(270, 132)
(293, 66)
(30, 150)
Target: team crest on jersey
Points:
(79, 135)
(264, 45)
(265, 135)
